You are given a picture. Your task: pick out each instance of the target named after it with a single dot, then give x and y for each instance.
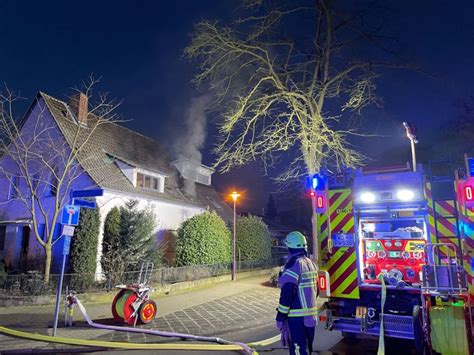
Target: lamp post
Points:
(235, 195)
(413, 140)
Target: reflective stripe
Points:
(283, 309)
(303, 312)
(292, 274)
(308, 284)
(309, 274)
(302, 297)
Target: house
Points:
(124, 163)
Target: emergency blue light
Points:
(315, 182)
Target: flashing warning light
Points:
(315, 182)
(320, 202)
(468, 193)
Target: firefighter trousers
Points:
(302, 337)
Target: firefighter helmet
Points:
(295, 240)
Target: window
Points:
(147, 182)
(150, 182)
(3, 236)
(140, 180)
(14, 186)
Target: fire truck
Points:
(396, 249)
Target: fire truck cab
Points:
(382, 259)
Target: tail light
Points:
(324, 283)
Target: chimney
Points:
(79, 104)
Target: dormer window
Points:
(149, 182)
(194, 171)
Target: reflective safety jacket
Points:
(299, 290)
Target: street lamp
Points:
(235, 195)
(413, 140)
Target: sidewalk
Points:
(214, 310)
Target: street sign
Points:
(70, 215)
(84, 203)
(87, 193)
(68, 230)
(66, 245)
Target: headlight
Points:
(367, 197)
(405, 195)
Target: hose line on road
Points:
(117, 345)
(89, 321)
(220, 346)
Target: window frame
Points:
(155, 183)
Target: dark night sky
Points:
(136, 46)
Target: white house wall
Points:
(168, 215)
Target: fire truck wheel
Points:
(147, 311)
(128, 309)
(117, 318)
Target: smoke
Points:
(189, 145)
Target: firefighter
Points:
(297, 310)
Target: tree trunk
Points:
(47, 263)
(314, 227)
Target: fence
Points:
(32, 283)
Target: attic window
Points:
(149, 182)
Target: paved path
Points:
(237, 311)
(215, 310)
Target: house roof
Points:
(110, 142)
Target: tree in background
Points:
(455, 137)
(271, 211)
(138, 243)
(203, 239)
(84, 244)
(129, 240)
(253, 239)
(283, 76)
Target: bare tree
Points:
(283, 77)
(42, 156)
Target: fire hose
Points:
(381, 349)
(242, 346)
(222, 345)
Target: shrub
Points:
(253, 239)
(203, 239)
(3, 273)
(111, 259)
(84, 243)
